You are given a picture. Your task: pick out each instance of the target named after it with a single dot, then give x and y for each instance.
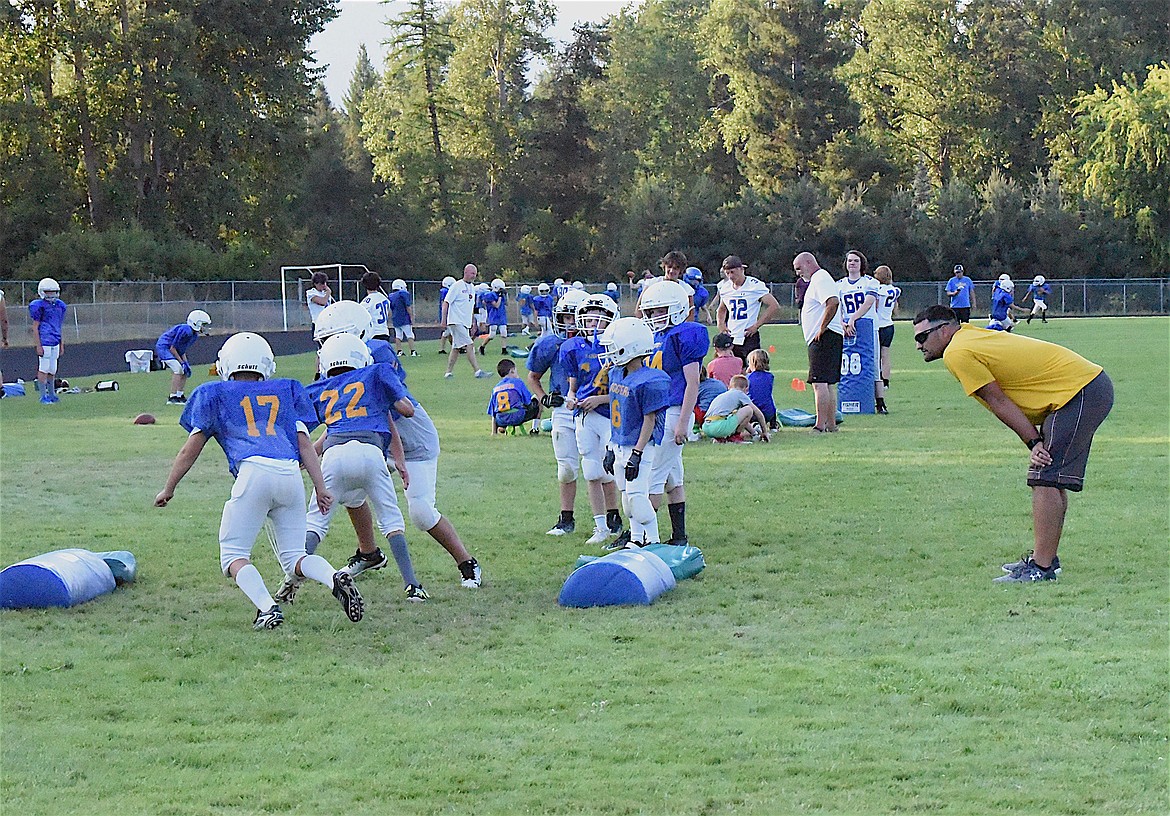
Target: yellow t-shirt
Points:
(1039, 377)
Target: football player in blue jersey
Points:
(1003, 304)
(527, 315)
(588, 399)
(693, 277)
(496, 302)
(543, 304)
(1038, 290)
(511, 404)
(639, 396)
(680, 348)
(401, 316)
(262, 423)
(171, 349)
(354, 401)
(47, 313)
(545, 358)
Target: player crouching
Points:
(263, 426)
(639, 396)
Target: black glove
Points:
(633, 464)
(553, 400)
(535, 403)
(607, 461)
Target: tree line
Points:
(193, 139)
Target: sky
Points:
(361, 22)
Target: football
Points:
(144, 419)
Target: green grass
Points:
(844, 651)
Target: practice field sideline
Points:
(844, 651)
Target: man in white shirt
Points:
(821, 322)
(745, 304)
(318, 296)
(458, 309)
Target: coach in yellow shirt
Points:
(1053, 398)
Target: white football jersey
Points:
(887, 298)
(852, 294)
(743, 304)
(378, 305)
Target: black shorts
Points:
(964, 314)
(886, 336)
(751, 342)
(824, 358)
(1068, 434)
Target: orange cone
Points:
(771, 349)
(797, 384)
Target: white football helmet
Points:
(526, 289)
(245, 352)
(399, 285)
(600, 308)
(578, 285)
(49, 289)
(565, 312)
(1038, 280)
(448, 282)
(343, 316)
(199, 320)
(482, 287)
(543, 288)
(1005, 283)
(670, 302)
(344, 350)
(625, 339)
(559, 282)
(498, 285)
(611, 287)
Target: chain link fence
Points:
(105, 310)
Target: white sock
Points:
(317, 568)
(599, 523)
(252, 583)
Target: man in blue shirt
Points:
(48, 316)
(961, 291)
(171, 349)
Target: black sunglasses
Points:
(920, 338)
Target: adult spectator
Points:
(1052, 398)
(318, 296)
(961, 291)
(821, 323)
(745, 304)
(458, 310)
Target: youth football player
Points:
(171, 348)
(543, 305)
(48, 316)
(497, 316)
(377, 304)
(511, 404)
(401, 316)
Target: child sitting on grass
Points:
(725, 365)
(732, 415)
(760, 382)
(511, 403)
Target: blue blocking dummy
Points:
(64, 578)
(622, 578)
(858, 370)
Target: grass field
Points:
(844, 651)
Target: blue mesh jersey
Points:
(251, 418)
(1000, 301)
(760, 384)
(383, 352)
(497, 308)
(701, 297)
(180, 337)
(400, 303)
(580, 359)
(543, 305)
(51, 314)
(631, 398)
(358, 400)
(676, 347)
(1040, 292)
(509, 401)
(615, 296)
(525, 303)
(546, 356)
(853, 294)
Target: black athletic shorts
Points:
(886, 336)
(824, 358)
(964, 314)
(751, 342)
(1068, 434)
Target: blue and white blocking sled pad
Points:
(629, 577)
(64, 578)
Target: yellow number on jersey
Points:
(615, 413)
(655, 360)
(331, 396)
(273, 403)
(503, 402)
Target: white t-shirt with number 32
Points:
(743, 305)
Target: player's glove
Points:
(186, 369)
(608, 461)
(633, 465)
(553, 400)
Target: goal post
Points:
(338, 268)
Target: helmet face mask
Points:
(565, 313)
(595, 313)
(48, 289)
(498, 285)
(543, 288)
(399, 285)
(526, 289)
(1005, 283)
(199, 320)
(343, 316)
(624, 340)
(343, 350)
(1038, 280)
(245, 352)
(665, 304)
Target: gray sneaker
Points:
(1030, 573)
(481, 374)
(269, 619)
(359, 562)
(1016, 566)
(288, 590)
